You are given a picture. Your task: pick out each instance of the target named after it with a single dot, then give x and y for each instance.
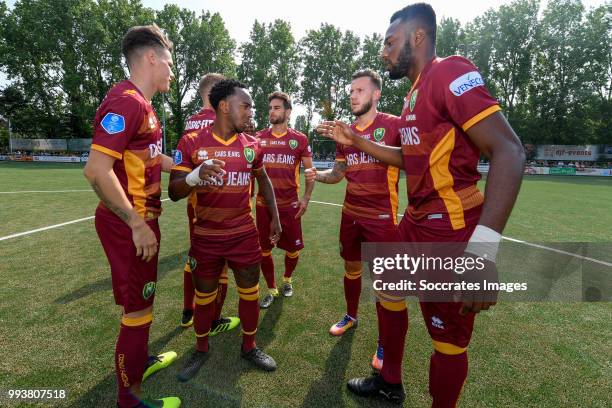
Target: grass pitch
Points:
(58, 322)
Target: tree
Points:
(201, 45)
(598, 72)
(450, 37)
(558, 86)
(269, 62)
(511, 58)
(64, 71)
(330, 58)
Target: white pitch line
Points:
(21, 234)
(45, 191)
(559, 251)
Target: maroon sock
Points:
(202, 318)
(290, 263)
(447, 374)
(188, 289)
(131, 354)
(248, 311)
(267, 269)
(395, 328)
(352, 292)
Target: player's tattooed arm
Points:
(124, 215)
(342, 133)
(99, 172)
(333, 175)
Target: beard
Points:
(277, 121)
(401, 67)
(364, 109)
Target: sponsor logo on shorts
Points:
(148, 290)
(434, 217)
(379, 134)
(113, 123)
(249, 154)
(293, 143)
(437, 322)
(298, 242)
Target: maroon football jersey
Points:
(222, 208)
(440, 160)
(371, 189)
(282, 155)
(126, 127)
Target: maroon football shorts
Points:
(291, 238)
(443, 321)
(354, 231)
(134, 280)
(208, 254)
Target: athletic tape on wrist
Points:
(484, 243)
(193, 178)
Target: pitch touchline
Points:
(586, 258)
(21, 234)
(559, 251)
(44, 191)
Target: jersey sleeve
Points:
(339, 152)
(258, 160)
(182, 156)
(116, 123)
(306, 150)
(392, 137)
(465, 96)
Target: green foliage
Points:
(550, 69)
(270, 62)
(330, 58)
(201, 45)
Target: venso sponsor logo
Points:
(466, 83)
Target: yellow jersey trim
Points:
(477, 118)
(107, 151)
(223, 141)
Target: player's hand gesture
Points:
(473, 301)
(144, 239)
(301, 205)
(212, 170)
(310, 175)
(275, 230)
(338, 131)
